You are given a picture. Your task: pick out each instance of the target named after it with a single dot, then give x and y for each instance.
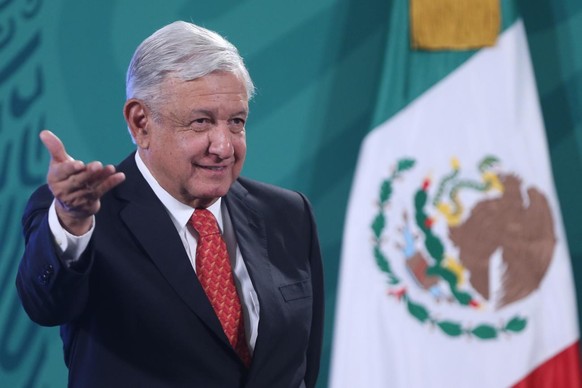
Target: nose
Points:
(220, 142)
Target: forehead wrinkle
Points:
(212, 112)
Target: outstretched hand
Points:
(77, 187)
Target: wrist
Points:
(75, 225)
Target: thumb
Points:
(55, 146)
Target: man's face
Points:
(195, 142)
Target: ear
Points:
(137, 117)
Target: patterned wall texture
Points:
(316, 66)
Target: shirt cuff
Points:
(70, 247)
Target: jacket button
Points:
(43, 279)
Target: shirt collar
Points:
(178, 211)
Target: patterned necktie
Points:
(215, 275)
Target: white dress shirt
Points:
(71, 247)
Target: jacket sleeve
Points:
(316, 334)
(51, 292)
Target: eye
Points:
(202, 120)
(200, 124)
(237, 125)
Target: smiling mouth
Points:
(212, 168)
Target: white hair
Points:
(182, 50)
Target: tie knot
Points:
(204, 222)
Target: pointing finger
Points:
(55, 146)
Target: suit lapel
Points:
(251, 237)
(148, 221)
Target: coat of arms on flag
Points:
(479, 241)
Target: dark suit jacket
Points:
(135, 315)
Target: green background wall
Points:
(317, 67)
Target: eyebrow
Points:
(211, 113)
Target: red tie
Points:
(215, 275)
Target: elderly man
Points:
(171, 270)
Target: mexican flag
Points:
(455, 268)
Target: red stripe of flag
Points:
(563, 371)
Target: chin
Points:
(211, 195)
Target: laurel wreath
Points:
(484, 331)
